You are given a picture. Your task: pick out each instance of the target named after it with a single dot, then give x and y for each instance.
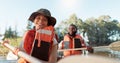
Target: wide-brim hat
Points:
(46, 13)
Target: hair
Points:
(49, 22)
(74, 26)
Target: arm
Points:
(53, 55)
(60, 46)
(89, 48)
(82, 42)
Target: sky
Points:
(15, 13)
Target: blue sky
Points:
(15, 13)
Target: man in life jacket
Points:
(40, 42)
(71, 41)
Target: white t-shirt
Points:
(54, 41)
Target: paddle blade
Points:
(115, 46)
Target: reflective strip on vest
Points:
(48, 32)
(29, 38)
(45, 34)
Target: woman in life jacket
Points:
(71, 41)
(40, 42)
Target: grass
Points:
(13, 41)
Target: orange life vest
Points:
(38, 43)
(71, 43)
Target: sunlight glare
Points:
(69, 3)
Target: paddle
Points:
(21, 54)
(114, 46)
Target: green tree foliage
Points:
(100, 31)
(103, 30)
(9, 33)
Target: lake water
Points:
(3, 60)
(107, 52)
(8, 61)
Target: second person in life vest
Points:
(71, 41)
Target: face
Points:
(40, 22)
(71, 29)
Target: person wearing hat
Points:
(41, 42)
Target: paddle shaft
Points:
(86, 48)
(23, 54)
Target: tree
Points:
(100, 31)
(9, 33)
